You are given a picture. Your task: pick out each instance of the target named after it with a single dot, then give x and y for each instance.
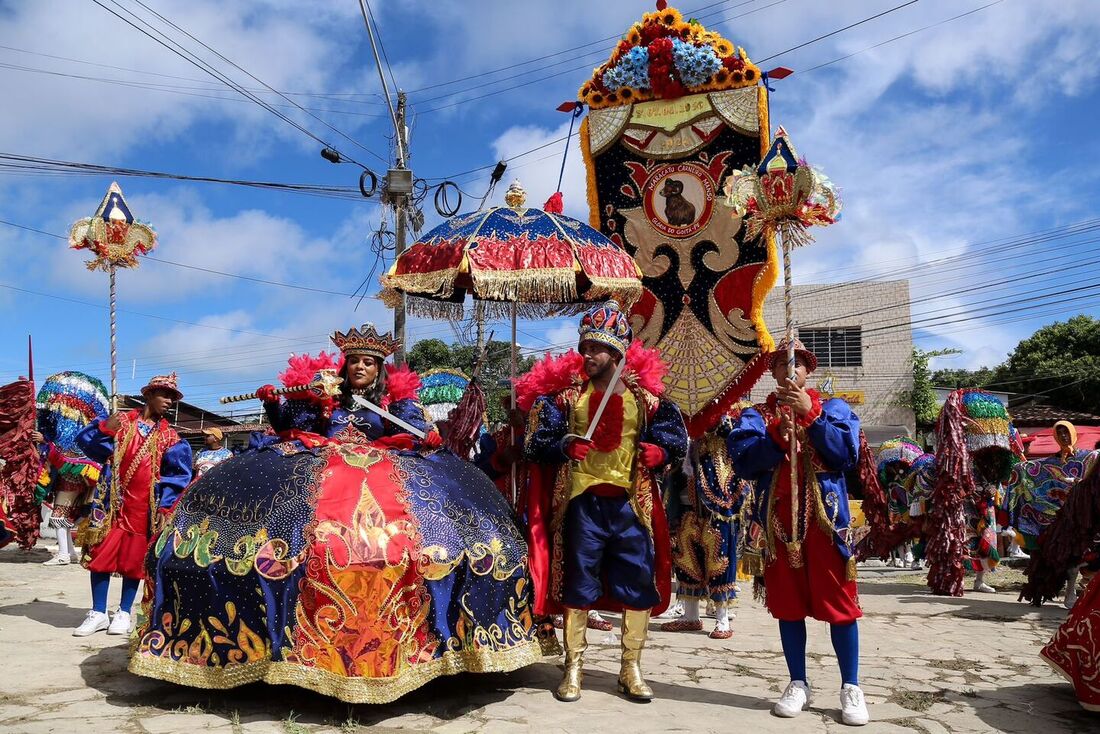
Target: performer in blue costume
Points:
(802, 535)
(705, 500)
(342, 555)
(597, 526)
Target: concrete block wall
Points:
(882, 311)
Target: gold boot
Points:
(574, 628)
(635, 629)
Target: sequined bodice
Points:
(365, 421)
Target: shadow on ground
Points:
(445, 699)
(55, 614)
(1002, 607)
(1036, 707)
(18, 555)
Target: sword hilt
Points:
(327, 385)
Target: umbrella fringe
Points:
(626, 291)
(550, 285)
(436, 284)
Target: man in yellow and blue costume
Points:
(598, 536)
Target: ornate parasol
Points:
(784, 196)
(512, 259)
(541, 261)
(116, 239)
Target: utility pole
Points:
(398, 185)
(397, 190)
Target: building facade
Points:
(862, 337)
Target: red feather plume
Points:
(401, 383)
(301, 368)
(549, 376)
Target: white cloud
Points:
(538, 172)
(80, 119)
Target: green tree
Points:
(922, 398)
(1061, 362)
(956, 378)
(429, 354)
(495, 371)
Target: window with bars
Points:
(836, 347)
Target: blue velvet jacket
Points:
(306, 415)
(660, 424)
(758, 452)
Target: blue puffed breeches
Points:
(607, 550)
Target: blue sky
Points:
(972, 131)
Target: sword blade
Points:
(364, 403)
(606, 397)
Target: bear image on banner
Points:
(673, 112)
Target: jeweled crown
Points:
(366, 340)
(607, 324)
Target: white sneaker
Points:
(75, 557)
(915, 565)
(983, 587)
(793, 700)
(94, 622)
(908, 559)
(57, 561)
(120, 624)
(673, 612)
(853, 709)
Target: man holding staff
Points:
(799, 536)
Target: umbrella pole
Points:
(512, 428)
(114, 345)
(794, 547)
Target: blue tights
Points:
(102, 581)
(845, 645)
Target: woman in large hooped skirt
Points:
(342, 556)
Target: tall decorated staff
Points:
(783, 197)
(116, 239)
(674, 112)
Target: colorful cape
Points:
(19, 514)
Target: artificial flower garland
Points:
(665, 57)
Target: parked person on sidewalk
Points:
(150, 466)
(67, 403)
(214, 453)
(974, 460)
(800, 535)
(705, 498)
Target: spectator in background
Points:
(214, 453)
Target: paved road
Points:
(930, 665)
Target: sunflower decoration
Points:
(665, 57)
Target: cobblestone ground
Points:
(929, 665)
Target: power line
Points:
(259, 81)
(172, 89)
(203, 66)
(554, 75)
(27, 163)
(830, 34)
(318, 95)
(599, 42)
(898, 38)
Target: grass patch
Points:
(291, 725)
(957, 664)
(919, 701)
(910, 723)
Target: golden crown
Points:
(366, 340)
